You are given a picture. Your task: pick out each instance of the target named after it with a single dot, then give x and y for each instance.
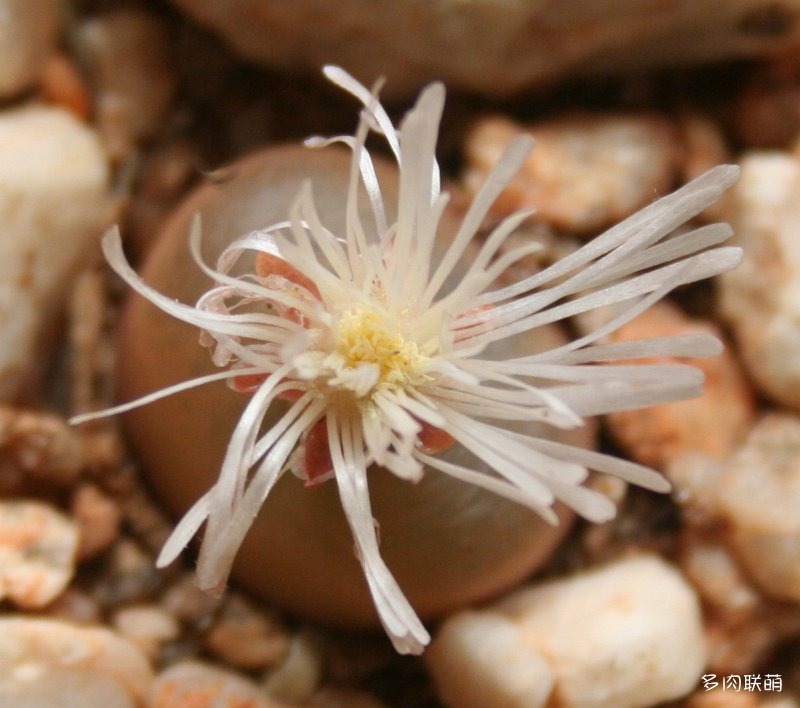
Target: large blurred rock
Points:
(497, 46)
(53, 201)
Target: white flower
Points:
(385, 362)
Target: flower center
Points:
(369, 339)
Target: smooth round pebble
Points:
(246, 638)
(299, 676)
(481, 659)
(56, 664)
(628, 634)
(146, 626)
(98, 518)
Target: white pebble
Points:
(761, 298)
(481, 659)
(758, 497)
(37, 553)
(626, 634)
(300, 673)
(147, 626)
(53, 199)
(58, 665)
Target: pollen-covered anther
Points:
(371, 341)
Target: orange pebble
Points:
(61, 84)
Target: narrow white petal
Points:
(218, 550)
(185, 530)
(624, 469)
(502, 173)
(691, 345)
(341, 78)
(642, 228)
(161, 393)
(398, 618)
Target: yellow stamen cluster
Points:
(367, 336)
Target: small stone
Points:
(51, 663)
(129, 64)
(625, 634)
(39, 446)
(718, 579)
(98, 519)
(61, 84)
(37, 553)
(760, 298)
(246, 638)
(188, 603)
(147, 627)
(53, 202)
(712, 424)
(759, 498)
(299, 676)
(129, 575)
(481, 659)
(28, 35)
(74, 606)
(200, 685)
(585, 172)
